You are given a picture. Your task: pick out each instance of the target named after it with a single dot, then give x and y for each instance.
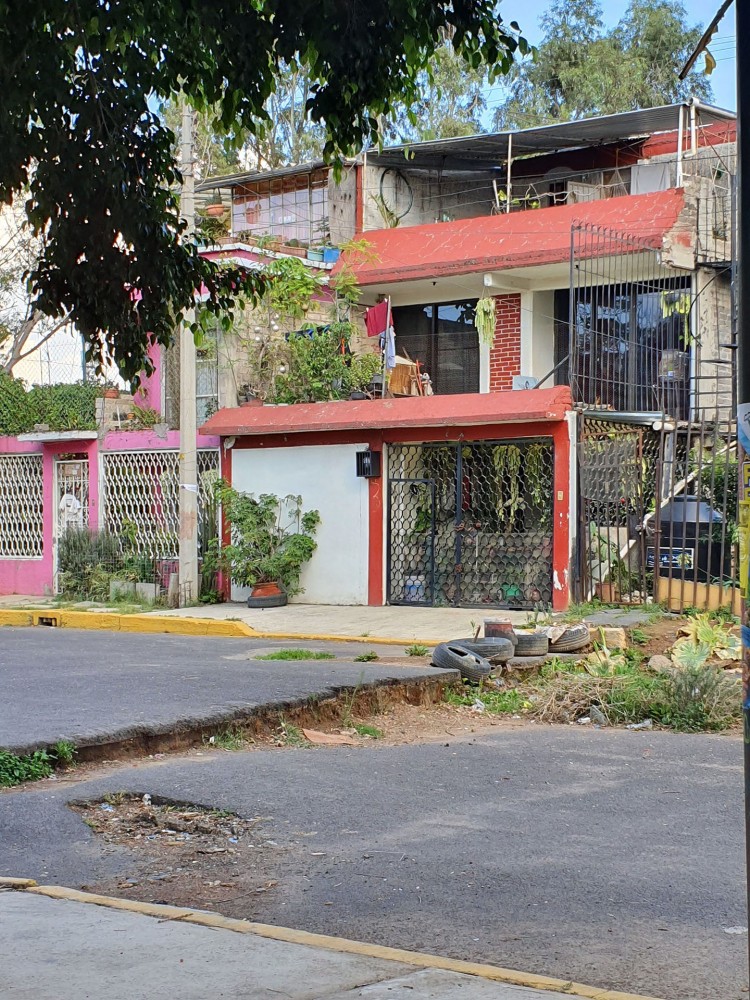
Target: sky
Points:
(528, 13)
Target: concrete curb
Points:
(177, 625)
(111, 622)
(325, 941)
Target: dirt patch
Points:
(186, 855)
(661, 635)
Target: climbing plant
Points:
(59, 407)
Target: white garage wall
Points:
(325, 477)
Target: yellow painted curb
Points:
(111, 622)
(16, 883)
(345, 945)
(15, 617)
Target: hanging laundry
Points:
(390, 348)
(377, 319)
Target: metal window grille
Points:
(471, 524)
(21, 506)
(141, 497)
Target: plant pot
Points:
(267, 595)
(294, 251)
(316, 255)
(356, 394)
(331, 255)
(608, 592)
(111, 394)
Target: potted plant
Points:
(271, 540)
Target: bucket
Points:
(499, 628)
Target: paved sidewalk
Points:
(390, 622)
(59, 949)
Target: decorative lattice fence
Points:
(21, 507)
(141, 494)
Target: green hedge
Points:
(60, 407)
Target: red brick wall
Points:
(505, 353)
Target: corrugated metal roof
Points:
(485, 151)
(248, 177)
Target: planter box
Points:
(294, 251)
(315, 255)
(121, 588)
(147, 591)
(331, 255)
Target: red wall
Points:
(557, 430)
(505, 353)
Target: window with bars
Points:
(21, 506)
(141, 496)
(294, 207)
(443, 338)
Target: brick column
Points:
(505, 353)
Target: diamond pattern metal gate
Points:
(471, 523)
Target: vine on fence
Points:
(59, 407)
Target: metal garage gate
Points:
(471, 524)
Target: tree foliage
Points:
(81, 132)
(582, 69)
(24, 328)
(451, 102)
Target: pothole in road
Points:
(187, 855)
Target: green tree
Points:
(80, 129)
(451, 102)
(581, 69)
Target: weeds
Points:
(363, 729)
(723, 614)
(29, 767)
(638, 636)
(417, 649)
(296, 654)
(64, 753)
(694, 699)
(291, 735)
(227, 739)
(366, 657)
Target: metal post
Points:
(509, 178)
(188, 574)
(680, 126)
(742, 11)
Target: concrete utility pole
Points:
(742, 12)
(188, 417)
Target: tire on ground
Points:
(494, 649)
(273, 601)
(451, 656)
(572, 639)
(532, 645)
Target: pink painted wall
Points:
(34, 577)
(148, 396)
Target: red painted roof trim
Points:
(513, 240)
(465, 410)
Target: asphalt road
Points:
(607, 857)
(93, 687)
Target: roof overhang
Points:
(50, 437)
(517, 242)
(454, 411)
(491, 150)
